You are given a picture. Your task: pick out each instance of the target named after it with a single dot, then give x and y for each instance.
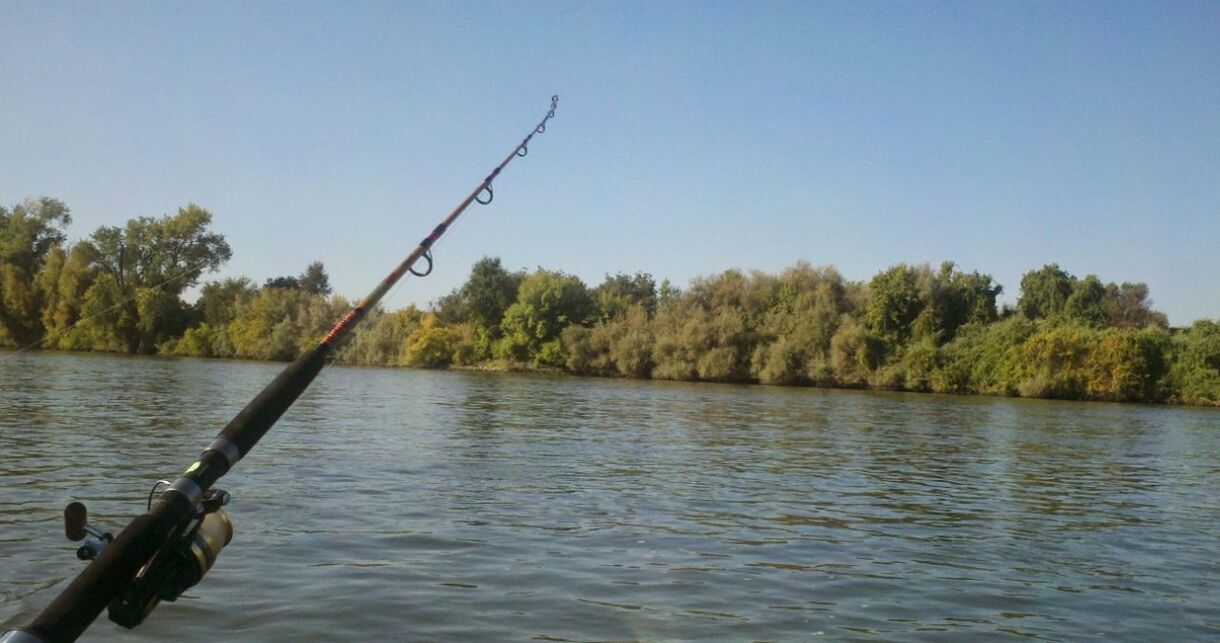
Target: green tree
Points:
(103, 312)
(620, 293)
(1055, 360)
(919, 365)
(219, 304)
(1194, 372)
(315, 280)
(1044, 292)
(481, 301)
(587, 350)
(683, 335)
(203, 340)
(976, 296)
(667, 293)
(984, 358)
(894, 302)
(278, 324)
(547, 302)
(632, 345)
(733, 290)
(28, 234)
(381, 337)
(1128, 306)
(284, 282)
(47, 283)
(149, 263)
(489, 292)
(1086, 304)
(795, 333)
(952, 299)
(620, 346)
(1128, 365)
(732, 344)
(430, 345)
(218, 300)
(855, 353)
(64, 279)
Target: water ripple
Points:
(393, 504)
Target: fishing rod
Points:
(167, 550)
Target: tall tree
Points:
(894, 302)
(483, 299)
(954, 298)
(547, 302)
(1128, 306)
(667, 293)
(28, 233)
(315, 280)
(218, 300)
(149, 262)
(1044, 292)
(1087, 302)
(620, 293)
(65, 278)
(286, 282)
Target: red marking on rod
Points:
(348, 319)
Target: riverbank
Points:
(912, 328)
(517, 367)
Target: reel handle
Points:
(77, 528)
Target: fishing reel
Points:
(177, 566)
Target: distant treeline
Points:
(914, 328)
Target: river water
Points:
(394, 504)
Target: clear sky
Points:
(690, 138)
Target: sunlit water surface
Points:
(407, 505)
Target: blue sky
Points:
(690, 138)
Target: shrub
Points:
(1194, 374)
